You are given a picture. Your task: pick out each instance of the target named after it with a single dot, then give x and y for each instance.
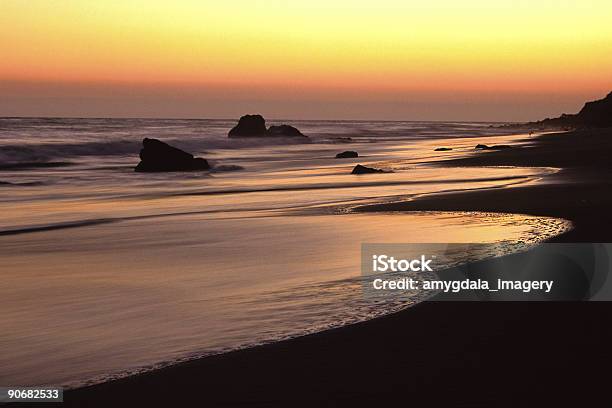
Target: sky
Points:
(397, 60)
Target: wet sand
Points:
(436, 353)
(580, 192)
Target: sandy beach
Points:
(464, 354)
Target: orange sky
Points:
(437, 59)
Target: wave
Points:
(340, 321)
(342, 206)
(357, 308)
(51, 227)
(518, 179)
(55, 139)
(24, 184)
(45, 152)
(31, 165)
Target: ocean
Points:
(107, 272)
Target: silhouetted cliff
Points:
(594, 114)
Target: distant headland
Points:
(594, 114)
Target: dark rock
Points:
(359, 169)
(347, 155)
(157, 156)
(199, 163)
(284, 131)
(593, 114)
(494, 147)
(255, 126)
(596, 113)
(443, 149)
(249, 126)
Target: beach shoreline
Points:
(460, 353)
(579, 192)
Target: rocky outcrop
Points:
(249, 126)
(157, 156)
(283, 131)
(494, 147)
(593, 114)
(347, 155)
(359, 169)
(255, 126)
(596, 113)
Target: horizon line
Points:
(267, 119)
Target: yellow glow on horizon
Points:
(388, 45)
